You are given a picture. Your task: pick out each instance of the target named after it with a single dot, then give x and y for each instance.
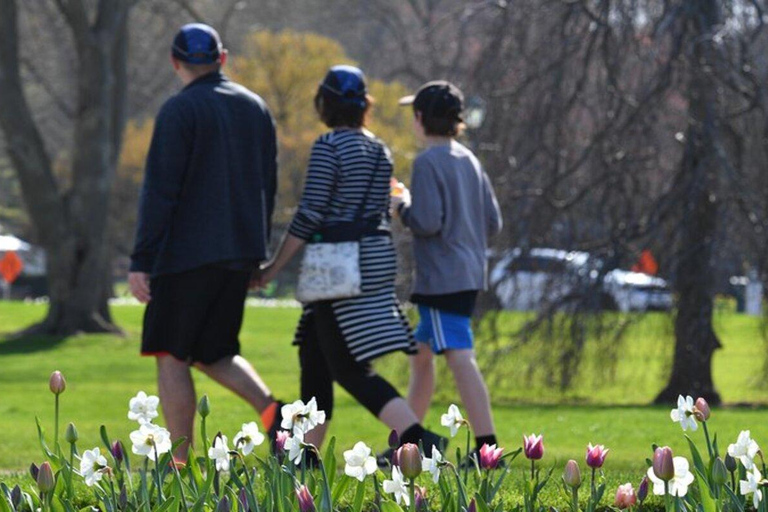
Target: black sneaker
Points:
(384, 459)
(430, 439)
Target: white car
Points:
(542, 277)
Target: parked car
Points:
(543, 277)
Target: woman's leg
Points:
(370, 389)
(316, 381)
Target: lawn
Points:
(103, 372)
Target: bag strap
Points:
(360, 212)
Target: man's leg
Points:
(422, 381)
(473, 391)
(177, 396)
(236, 374)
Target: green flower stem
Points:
(666, 495)
(177, 475)
(412, 490)
(204, 436)
(249, 484)
(709, 443)
(533, 469)
(466, 465)
(574, 499)
(376, 493)
(70, 490)
(157, 475)
(56, 423)
(112, 492)
(593, 494)
(327, 504)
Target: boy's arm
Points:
(424, 215)
(493, 219)
(166, 165)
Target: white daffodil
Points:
(752, 486)
(294, 447)
(300, 418)
(219, 453)
(143, 408)
(452, 419)
(434, 464)
(248, 438)
(93, 465)
(745, 449)
(683, 414)
(398, 487)
(150, 441)
(359, 461)
(678, 486)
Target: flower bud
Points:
(625, 497)
(204, 406)
(280, 439)
(719, 472)
(572, 474)
(663, 465)
(472, 506)
(701, 409)
(420, 498)
(223, 505)
(123, 498)
(242, 498)
(306, 502)
(45, 479)
(730, 463)
(409, 459)
(16, 496)
(57, 383)
(70, 435)
(118, 452)
(642, 489)
(33, 471)
(394, 439)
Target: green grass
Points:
(103, 372)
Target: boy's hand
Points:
(396, 200)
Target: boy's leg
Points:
(422, 381)
(177, 396)
(236, 374)
(473, 391)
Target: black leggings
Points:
(325, 358)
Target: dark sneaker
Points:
(430, 439)
(384, 459)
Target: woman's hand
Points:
(267, 273)
(404, 197)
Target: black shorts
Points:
(196, 315)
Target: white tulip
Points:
(92, 466)
(150, 441)
(683, 414)
(452, 419)
(359, 461)
(143, 408)
(745, 449)
(678, 486)
(398, 487)
(248, 438)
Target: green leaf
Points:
(105, 438)
(5, 504)
(390, 506)
(359, 496)
(698, 462)
(169, 505)
(735, 500)
(705, 495)
(342, 484)
(41, 438)
(482, 506)
(329, 460)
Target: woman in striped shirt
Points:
(348, 178)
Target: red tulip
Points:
(533, 446)
(596, 455)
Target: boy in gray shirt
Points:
(452, 213)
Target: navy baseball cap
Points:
(438, 98)
(346, 82)
(197, 43)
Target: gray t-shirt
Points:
(452, 214)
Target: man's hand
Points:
(254, 283)
(138, 283)
(267, 273)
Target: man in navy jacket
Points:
(203, 228)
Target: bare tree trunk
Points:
(695, 339)
(72, 226)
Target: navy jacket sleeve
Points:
(166, 166)
(270, 173)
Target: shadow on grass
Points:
(12, 344)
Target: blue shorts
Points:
(442, 330)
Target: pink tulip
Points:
(596, 455)
(490, 456)
(663, 465)
(409, 460)
(701, 409)
(625, 496)
(306, 502)
(533, 446)
(280, 439)
(57, 383)
(45, 479)
(572, 474)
